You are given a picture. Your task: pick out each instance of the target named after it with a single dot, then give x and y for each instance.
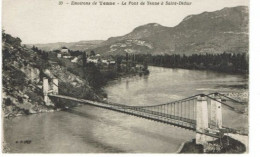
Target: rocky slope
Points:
(23, 70)
(208, 32)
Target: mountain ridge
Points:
(224, 30)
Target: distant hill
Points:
(208, 32)
(81, 45)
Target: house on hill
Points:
(111, 61)
(64, 50)
(75, 60)
(108, 61)
(98, 59)
(95, 60)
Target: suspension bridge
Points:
(200, 113)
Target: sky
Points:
(44, 21)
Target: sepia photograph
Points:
(123, 76)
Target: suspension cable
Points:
(220, 102)
(242, 103)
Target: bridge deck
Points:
(138, 111)
(151, 113)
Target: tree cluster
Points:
(44, 55)
(224, 62)
(11, 40)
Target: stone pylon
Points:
(45, 88)
(216, 112)
(201, 120)
(55, 86)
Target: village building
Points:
(67, 56)
(97, 59)
(111, 62)
(64, 50)
(105, 61)
(93, 60)
(64, 53)
(75, 60)
(139, 66)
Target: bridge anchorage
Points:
(200, 113)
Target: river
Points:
(87, 129)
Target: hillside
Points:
(208, 32)
(23, 70)
(81, 45)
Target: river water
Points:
(87, 129)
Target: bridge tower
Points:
(202, 118)
(45, 88)
(55, 86)
(216, 112)
(46, 91)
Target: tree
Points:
(126, 56)
(92, 53)
(118, 63)
(84, 58)
(145, 64)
